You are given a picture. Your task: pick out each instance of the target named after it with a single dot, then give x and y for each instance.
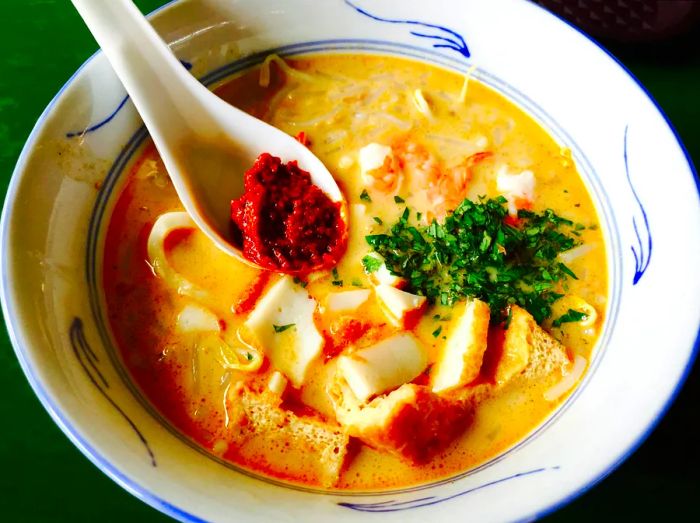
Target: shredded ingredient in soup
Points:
(286, 223)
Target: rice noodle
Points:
(264, 79)
(450, 140)
(227, 418)
(448, 97)
(396, 121)
(393, 99)
(422, 104)
(359, 116)
(376, 95)
(334, 136)
(351, 90)
(576, 252)
(243, 358)
(313, 122)
(277, 99)
(465, 85)
(380, 77)
(164, 226)
(498, 134)
(568, 381)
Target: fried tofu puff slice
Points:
(410, 422)
(522, 351)
(416, 422)
(477, 361)
(263, 432)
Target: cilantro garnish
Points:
(282, 328)
(371, 264)
(474, 252)
(570, 316)
(364, 196)
(398, 199)
(378, 220)
(437, 332)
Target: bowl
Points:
(633, 163)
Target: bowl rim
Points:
(154, 501)
(696, 345)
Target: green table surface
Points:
(43, 477)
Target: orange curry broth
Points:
(189, 391)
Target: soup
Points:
(463, 310)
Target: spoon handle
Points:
(154, 78)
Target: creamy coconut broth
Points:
(350, 378)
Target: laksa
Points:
(414, 333)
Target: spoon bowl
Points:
(205, 143)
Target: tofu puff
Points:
(392, 369)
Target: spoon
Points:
(205, 143)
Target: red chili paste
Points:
(285, 222)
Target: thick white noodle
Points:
(569, 380)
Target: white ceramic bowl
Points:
(636, 169)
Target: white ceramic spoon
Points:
(206, 144)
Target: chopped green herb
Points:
(282, 328)
(569, 316)
(473, 252)
(336, 278)
(301, 282)
(437, 332)
(248, 356)
(371, 263)
(356, 283)
(508, 318)
(364, 196)
(398, 199)
(378, 220)
(568, 271)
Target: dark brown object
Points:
(628, 21)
